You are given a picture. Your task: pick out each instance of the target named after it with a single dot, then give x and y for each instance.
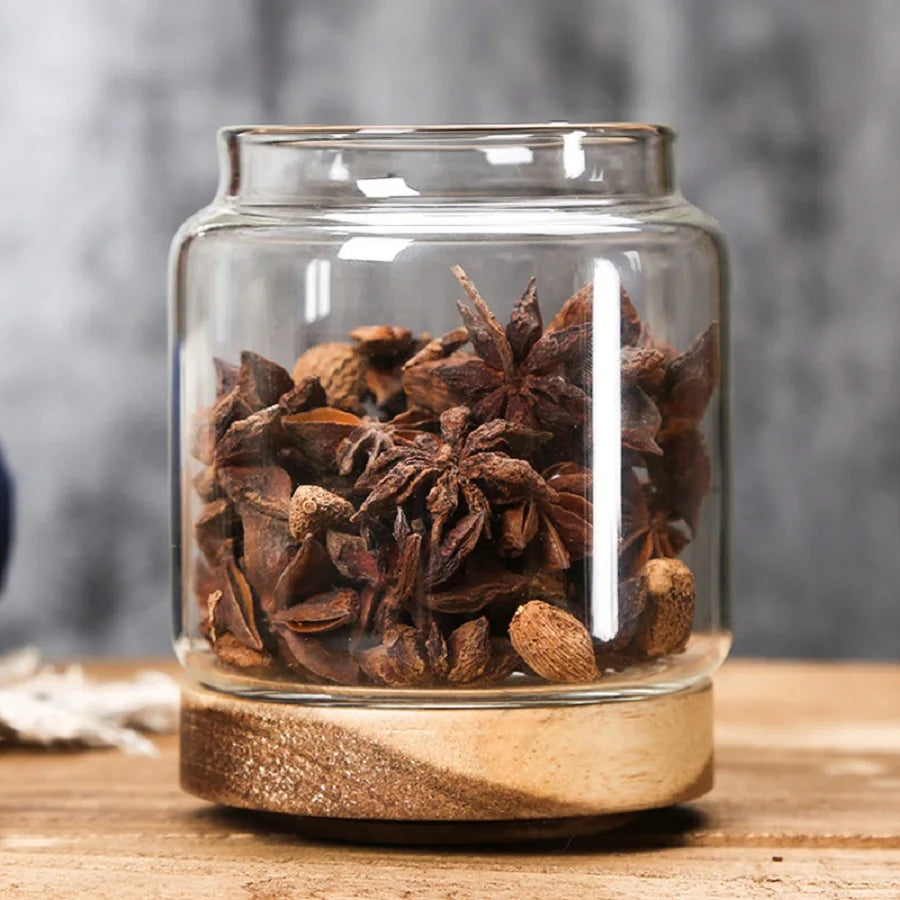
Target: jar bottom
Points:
(445, 765)
(704, 653)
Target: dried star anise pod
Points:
(643, 375)
(259, 384)
(690, 380)
(521, 373)
(681, 475)
(312, 616)
(389, 578)
(483, 584)
(660, 514)
(649, 528)
(644, 367)
(562, 526)
(253, 441)
(439, 348)
(330, 660)
(663, 391)
(233, 629)
(305, 395)
(256, 384)
(454, 470)
(215, 530)
(321, 612)
(399, 660)
(260, 495)
(316, 434)
(422, 388)
(405, 654)
(359, 451)
(308, 572)
(502, 663)
(641, 420)
(460, 521)
(630, 328)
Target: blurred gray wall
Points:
(790, 123)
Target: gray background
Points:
(790, 126)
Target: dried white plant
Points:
(39, 704)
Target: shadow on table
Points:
(653, 829)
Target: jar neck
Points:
(279, 166)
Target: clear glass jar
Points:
(449, 419)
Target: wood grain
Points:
(449, 765)
(807, 803)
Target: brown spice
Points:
(668, 589)
(553, 643)
(314, 510)
(339, 369)
(470, 650)
(407, 513)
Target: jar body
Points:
(448, 450)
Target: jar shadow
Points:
(646, 830)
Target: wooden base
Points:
(536, 769)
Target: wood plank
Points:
(715, 874)
(808, 771)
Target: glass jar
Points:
(449, 442)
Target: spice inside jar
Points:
(412, 511)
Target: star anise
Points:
(661, 513)
(258, 384)
(483, 584)
(521, 373)
(389, 577)
(690, 380)
(321, 613)
(439, 348)
(643, 375)
(560, 528)
(232, 625)
(397, 612)
(399, 660)
(422, 387)
(682, 474)
(260, 495)
(664, 391)
(649, 527)
(314, 436)
(313, 615)
(456, 527)
(363, 446)
(641, 419)
(397, 652)
(323, 660)
(455, 477)
(216, 529)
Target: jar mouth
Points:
(413, 133)
(294, 164)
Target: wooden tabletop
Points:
(807, 804)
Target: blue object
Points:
(7, 508)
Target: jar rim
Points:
(314, 133)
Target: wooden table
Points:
(807, 804)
